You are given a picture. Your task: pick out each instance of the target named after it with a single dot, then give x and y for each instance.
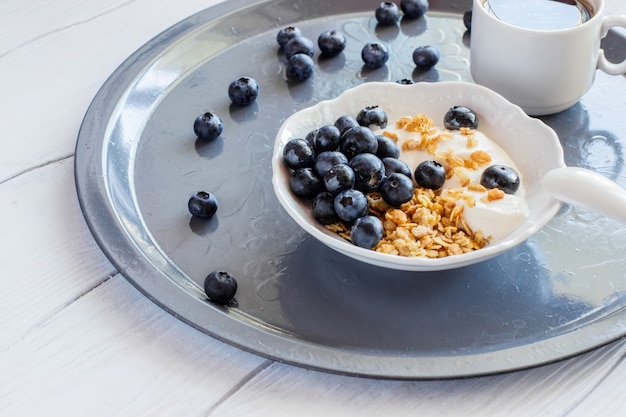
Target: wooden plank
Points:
(607, 398)
(56, 259)
(114, 352)
(45, 18)
(551, 390)
(72, 62)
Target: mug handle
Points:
(604, 64)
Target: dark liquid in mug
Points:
(540, 14)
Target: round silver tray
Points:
(137, 162)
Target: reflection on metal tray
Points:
(560, 293)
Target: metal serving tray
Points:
(137, 162)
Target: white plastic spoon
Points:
(584, 188)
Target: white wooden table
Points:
(76, 339)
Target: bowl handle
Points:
(584, 188)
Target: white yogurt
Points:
(493, 218)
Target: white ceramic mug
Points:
(542, 71)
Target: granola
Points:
(430, 225)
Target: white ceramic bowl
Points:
(533, 146)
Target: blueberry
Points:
(331, 42)
(300, 67)
(243, 91)
(366, 232)
(345, 122)
(467, 19)
(323, 208)
(327, 138)
(387, 147)
(286, 34)
(220, 287)
(374, 55)
(396, 165)
(387, 13)
(299, 45)
(502, 177)
(396, 189)
(339, 178)
(358, 140)
(350, 205)
(208, 126)
(372, 116)
(202, 204)
(298, 154)
(414, 9)
(369, 171)
(304, 183)
(310, 138)
(425, 57)
(405, 81)
(460, 116)
(326, 160)
(430, 174)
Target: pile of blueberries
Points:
(336, 166)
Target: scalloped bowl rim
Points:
(533, 145)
